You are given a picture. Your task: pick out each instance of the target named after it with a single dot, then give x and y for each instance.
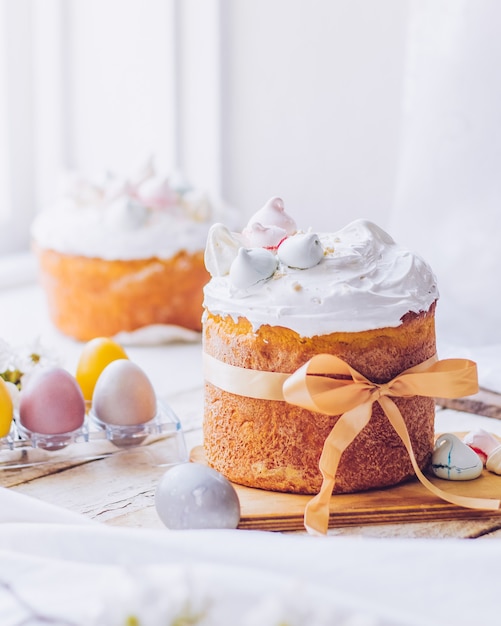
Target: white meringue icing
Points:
(273, 214)
(364, 281)
(452, 459)
(252, 266)
(146, 170)
(256, 235)
(220, 251)
(125, 214)
(196, 205)
(115, 189)
(301, 251)
(80, 190)
(157, 193)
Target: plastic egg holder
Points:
(127, 436)
(96, 439)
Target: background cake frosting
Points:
(145, 215)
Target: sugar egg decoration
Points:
(96, 355)
(51, 402)
(124, 395)
(194, 496)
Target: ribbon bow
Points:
(327, 384)
(314, 386)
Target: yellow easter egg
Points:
(6, 409)
(96, 355)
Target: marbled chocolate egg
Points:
(124, 395)
(452, 459)
(51, 402)
(191, 495)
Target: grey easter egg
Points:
(191, 496)
(123, 395)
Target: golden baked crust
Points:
(91, 297)
(276, 446)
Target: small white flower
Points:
(16, 364)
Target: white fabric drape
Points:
(89, 574)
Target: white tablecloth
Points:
(90, 574)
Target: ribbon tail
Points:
(345, 430)
(396, 420)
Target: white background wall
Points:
(313, 106)
(298, 98)
(387, 110)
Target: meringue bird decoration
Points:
(156, 193)
(221, 250)
(452, 459)
(251, 266)
(253, 256)
(257, 235)
(273, 214)
(301, 251)
(487, 447)
(126, 213)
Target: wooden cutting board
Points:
(408, 502)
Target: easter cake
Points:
(278, 296)
(122, 255)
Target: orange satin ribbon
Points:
(317, 386)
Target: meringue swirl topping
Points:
(351, 280)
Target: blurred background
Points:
(386, 110)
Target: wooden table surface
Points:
(120, 493)
(119, 490)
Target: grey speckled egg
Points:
(192, 496)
